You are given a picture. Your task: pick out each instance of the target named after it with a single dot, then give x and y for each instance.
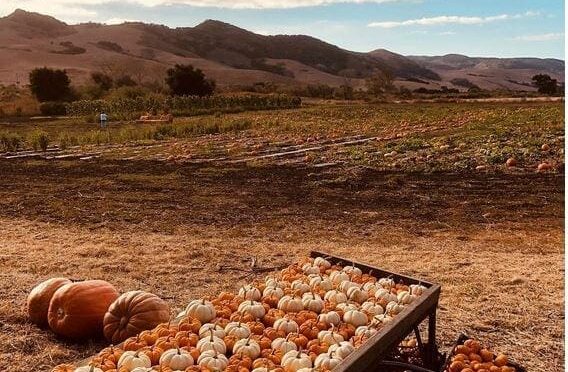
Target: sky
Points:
(498, 28)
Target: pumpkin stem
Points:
(211, 338)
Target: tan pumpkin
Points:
(132, 313)
(77, 310)
(40, 297)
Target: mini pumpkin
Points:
(132, 359)
(202, 310)
(286, 325)
(248, 347)
(290, 304)
(212, 360)
(176, 359)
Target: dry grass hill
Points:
(234, 56)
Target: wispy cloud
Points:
(541, 37)
(447, 19)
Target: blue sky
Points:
(502, 28)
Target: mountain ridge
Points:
(236, 56)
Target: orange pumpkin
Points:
(77, 310)
(132, 313)
(40, 297)
(63, 368)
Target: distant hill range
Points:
(234, 56)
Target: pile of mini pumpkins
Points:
(87, 309)
(311, 315)
(471, 356)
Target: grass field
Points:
(398, 186)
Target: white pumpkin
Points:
(417, 289)
(290, 304)
(87, 369)
(344, 286)
(385, 295)
(300, 286)
(293, 361)
(370, 287)
(335, 296)
(212, 360)
(330, 337)
(132, 359)
(237, 329)
(318, 281)
(310, 269)
(352, 270)
(372, 308)
(329, 318)
(367, 331)
(355, 317)
(143, 369)
(176, 359)
(249, 292)
(284, 345)
(247, 347)
(322, 262)
(273, 291)
(357, 294)
(394, 308)
(387, 283)
(337, 277)
(202, 310)
(286, 325)
(381, 319)
(211, 343)
(346, 306)
(312, 302)
(206, 329)
(254, 308)
(327, 361)
(341, 349)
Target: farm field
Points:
(180, 211)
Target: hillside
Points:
(492, 73)
(234, 56)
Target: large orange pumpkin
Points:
(40, 297)
(77, 310)
(132, 313)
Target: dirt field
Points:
(492, 239)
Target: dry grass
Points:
(492, 239)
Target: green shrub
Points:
(39, 140)
(10, 142)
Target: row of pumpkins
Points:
(309, 316)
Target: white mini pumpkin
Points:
(367, 331)
(352, 270)
(318, 281)
(247, 347)
(202, 310)
(357, 294)
(417, 289)
(206, 329)
(310, 269)
(355, 317)
(300, 286)
(327, 361)
(372, 308)
(284, 345)
(293, 361)
(290, 304)
(132, 359)
(387, 283)
(254, 308)
(312, 302)
(176, 359)
(394, 308)
(337, 277)
(249, 292)
(341, 349)
(335, 296)
(212, 360)
(286, 325)
(330, 337)
(322, 262)
(329, 318)
(211, 343)
(237, 329)
(273, 291)
(87, 369)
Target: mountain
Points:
(234, 56)
(491, 73)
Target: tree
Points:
(184, 80)
(545, 84)
(102, 80)
(380, 82)
(50, 85)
